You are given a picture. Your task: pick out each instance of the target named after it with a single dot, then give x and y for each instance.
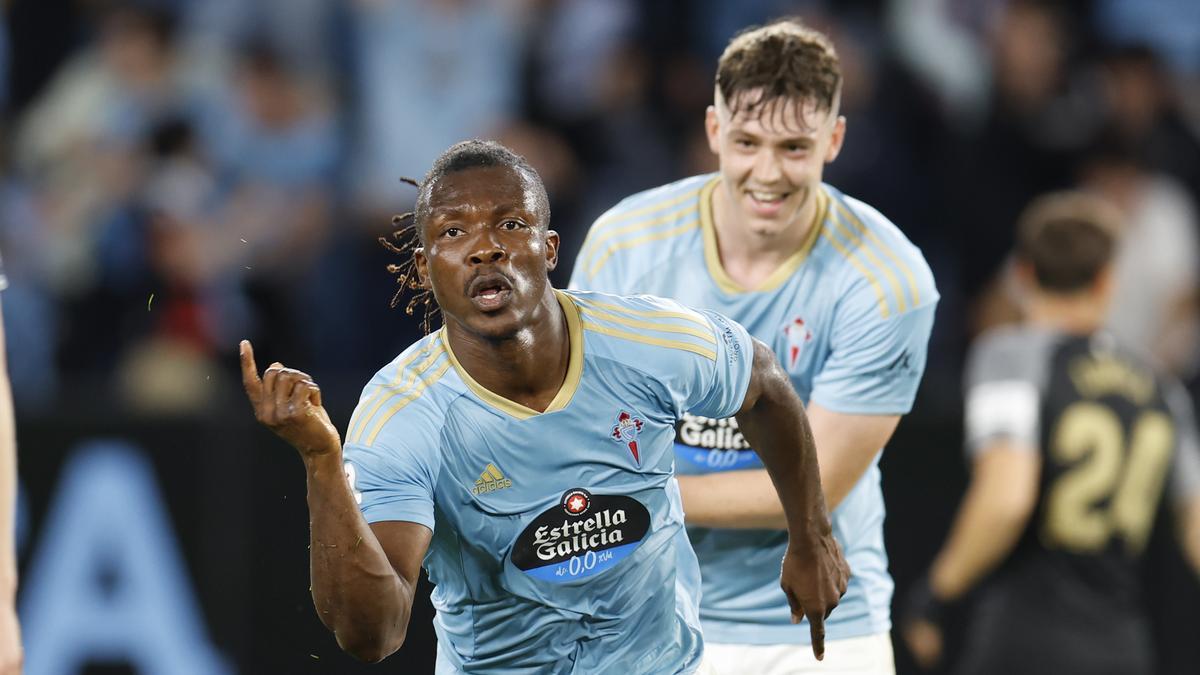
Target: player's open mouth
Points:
(489, 292)
(766, 203)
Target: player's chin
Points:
(498, 324)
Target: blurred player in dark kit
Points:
(1075, 443)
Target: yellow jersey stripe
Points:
(848, 215)
(603, 222)
(859, 245)
(883, 307)
(380, 396)
(390, 390)
(638, 241)
(646, 339)
(591, 247)
(406, 399)
(657, 326)
(495, 473)
(694, 317)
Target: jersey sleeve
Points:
(717, 387)
(875, 362)
(1003, 394)
(393, 476)
(1185, 471)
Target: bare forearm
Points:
(777, 428)
(357, 593)
(733, 500)
(980, 539)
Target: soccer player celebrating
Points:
(1073, 441)
(524, 453)
(844, 299)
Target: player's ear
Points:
(836, 138)
(712, 129)
(552, 244)
(422, 264)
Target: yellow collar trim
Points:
(712, 256)
(569, 385)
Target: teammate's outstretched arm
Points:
(846, 446)
(994, 512)
(772, 418)
(363, 577)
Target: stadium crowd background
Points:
(181, 174)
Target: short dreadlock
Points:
(409, 232)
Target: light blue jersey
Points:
(849, 315)
(558, 541)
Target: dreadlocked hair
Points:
(407, 237)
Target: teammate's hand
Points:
(920, 624)
(924, 640)
(288, 402)
(814, 578)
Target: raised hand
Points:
(288, 402)
(814, 578)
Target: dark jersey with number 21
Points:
(1116, 439)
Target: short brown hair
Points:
(1068, 238)
(784, 59)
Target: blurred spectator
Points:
(1037, 119)
(305, 32)
(593, 80)
(78, 142)
(1157, 263)
(275, 144)
(1169, 25)
(429, 73)
(939, 40)
(1143, 112)
(237, 225)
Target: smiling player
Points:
(523, 455)
(839, 293)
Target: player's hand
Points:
(11, 654)
(924, 640)
(288, 402)
(920, 624)
(814, 578)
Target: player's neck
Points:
(528, 367)
(1076, 314)
(750, 256)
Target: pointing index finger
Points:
(250, 379)
(816, 625)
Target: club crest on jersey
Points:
(797, 335)
(626, 430)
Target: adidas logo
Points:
(490, 480)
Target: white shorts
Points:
(868, 655)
